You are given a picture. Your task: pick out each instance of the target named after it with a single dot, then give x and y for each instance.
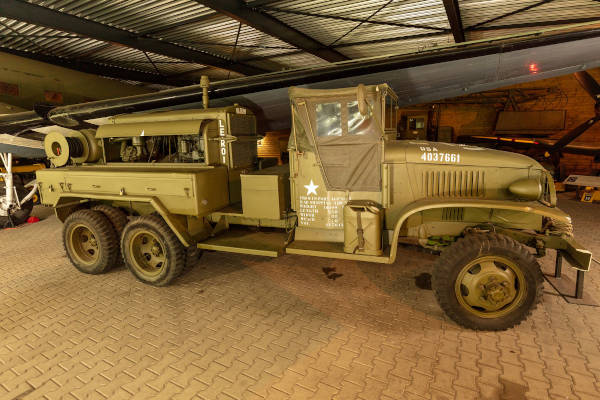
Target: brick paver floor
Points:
(245, 327)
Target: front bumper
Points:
(574, 253)
(577, 256)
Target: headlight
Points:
(527, 189)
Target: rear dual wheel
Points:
(151, 251)
(118, 220)
(90, 241)
(148, 246)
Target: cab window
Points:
(391, 118)
(329, 119)
(358, 123)
(342, 118)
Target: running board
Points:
(243, 241)
(333, 250)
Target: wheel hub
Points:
(148, 254)
(487, 285)
(156, 250)
(496, 292)
(85, 245)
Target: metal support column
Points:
(579, 284)
(558, 266)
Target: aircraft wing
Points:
(6, 108)
(420, 77)
(21, 147)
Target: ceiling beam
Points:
(456, 26)
(345, 18)
(185, 22)
(238, 10)
(508, 14)
(566, 21)
(259, 3)
(42, 16)
(100, 69)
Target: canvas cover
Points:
(347, 144)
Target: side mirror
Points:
(361, 97)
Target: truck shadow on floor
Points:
(423, 281)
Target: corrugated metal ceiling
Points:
(352, 28)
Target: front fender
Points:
(428, 204)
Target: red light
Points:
(533, 68)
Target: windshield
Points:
(342, 118)
(329, 119)
(358, 123)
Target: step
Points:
(246, 241)
(332, 250)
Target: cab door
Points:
(348, 146)
(335, 157)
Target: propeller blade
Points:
(574, 133)
(589, 84)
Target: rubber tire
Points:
(192, 256)
(466, 249)
(105, 235)
(118, 219)
(176, 252)
(20, 216)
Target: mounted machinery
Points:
(154, 188)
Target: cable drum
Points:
(61, 148)
(76, 148)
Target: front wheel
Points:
(487, 282)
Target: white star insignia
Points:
(143, 133)
(311, 188)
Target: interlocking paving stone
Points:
(245, 327)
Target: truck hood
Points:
(424, 152)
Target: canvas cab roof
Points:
(296, 92)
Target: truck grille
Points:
(241, 125)
(244, 149)
(456, 183)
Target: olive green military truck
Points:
(155, 189)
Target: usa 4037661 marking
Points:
(434, 156)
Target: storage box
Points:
(265, 193)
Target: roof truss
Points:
(252, 16)
(101, 69)
(42, 16)
(456, 26)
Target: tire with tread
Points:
(103, 234)
(193, 255)
(174, 252)
(118, 219)
(465, 250)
